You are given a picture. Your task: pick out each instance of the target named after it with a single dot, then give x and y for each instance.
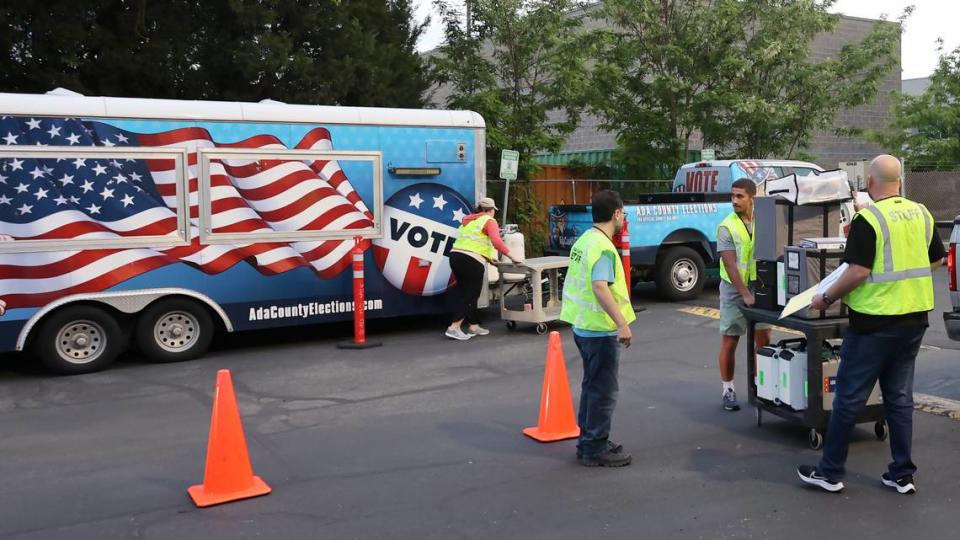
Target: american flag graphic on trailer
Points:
(101, 198)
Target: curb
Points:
(937, 405)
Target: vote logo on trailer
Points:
(420, 225)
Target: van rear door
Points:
(702, 178)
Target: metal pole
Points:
(506, 193)
(903, 179)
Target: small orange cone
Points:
(228, 476)
(557, 420)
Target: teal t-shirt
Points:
(602, 271)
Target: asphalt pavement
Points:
(421, 439)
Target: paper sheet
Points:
(805, 298)
(834, 276)
(799, 302)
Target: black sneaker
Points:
(611, 446)
(810, 475)
(607, 458)
(903, 485)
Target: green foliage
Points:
(779, 97)
(529, 212)
(926, 128)
(349, 52)
(737, 71)
(519, 60)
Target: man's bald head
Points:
(886, 169)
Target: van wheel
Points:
(78, 339)
(174, 330)
(680, 273)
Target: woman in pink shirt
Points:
(478, 241)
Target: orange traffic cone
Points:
(228, 475)
(557, 421)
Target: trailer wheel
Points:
(511, 325)
(680, 273)
(174, 330)
(541, 328)
(78, 339)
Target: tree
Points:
(521, 66)
(778, 97)
(926, 128)
(347, 52)
(736, 71)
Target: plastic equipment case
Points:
(768, 374)
(782, 373)
(815, 416)
(792, 360)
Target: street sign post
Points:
(509, 165)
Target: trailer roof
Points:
(69, 104)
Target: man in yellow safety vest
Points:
(892, 250)
(596, 302)
(737, 270)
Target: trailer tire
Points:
(174, 330)
(78, 339)
(680, 273)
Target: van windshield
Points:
(758, 172)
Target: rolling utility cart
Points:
(816, 415)
(531, 305)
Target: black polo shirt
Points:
(861, 250)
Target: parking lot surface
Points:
(421, 439)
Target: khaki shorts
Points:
(732, 321)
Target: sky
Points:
(930, 20)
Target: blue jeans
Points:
(888, 355)
(598, 393)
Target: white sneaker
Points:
(458, 334)
(480, 331)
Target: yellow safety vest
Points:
(470, 237)
(743, 242)
(580, 306)
(900, 281)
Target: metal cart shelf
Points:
(538, 310)
(814, 416)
